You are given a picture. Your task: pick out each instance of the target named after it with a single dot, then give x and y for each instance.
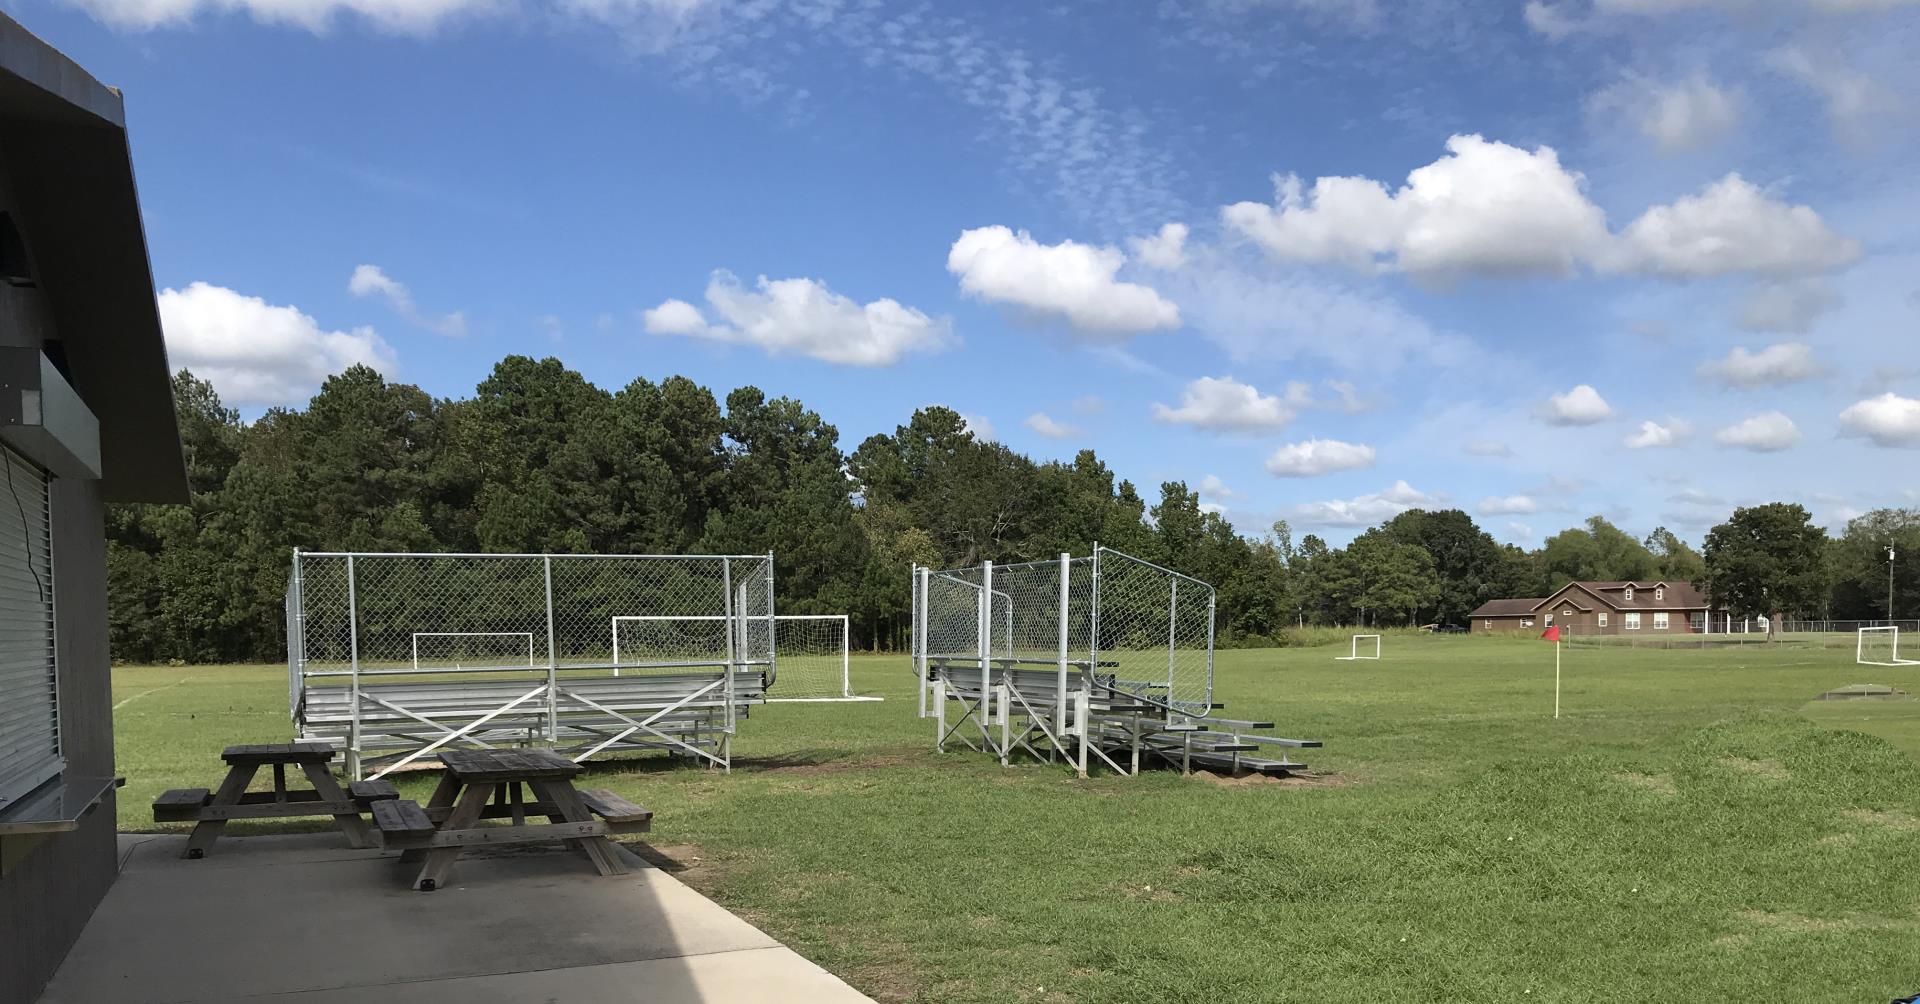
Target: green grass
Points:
(1684, 833)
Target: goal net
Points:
(435, 650)
(810, 651)
(1879, 646)
(1365, 647)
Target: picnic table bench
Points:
(210, 811)
(495, 784)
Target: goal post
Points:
(1879, 646)
(812, 651)
(472, 649)
(1358, 652)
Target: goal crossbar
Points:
(1353, 654)
(842, 681)
(1893, 653)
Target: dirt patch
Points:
(1150, 894)
(1838, 840)
(813, 763)
(1797, 923)
(686, 862)
(1307, 779)
(1659, 784)
(1772, 770)
(1885, 819)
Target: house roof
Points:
(65, 139)
(1673, 595)
(1506, 608)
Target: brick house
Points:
(1588, 608)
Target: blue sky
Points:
(1325, 259)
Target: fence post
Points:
(846, 655)
(1060, 693)
(553, 669)
(1173, 620)
(1212, 598)
(353, 654)
(986, 650)
(734, 643)
(920, 632)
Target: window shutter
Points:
(29, 690)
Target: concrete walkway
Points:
(304, 920)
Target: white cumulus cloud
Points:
(371, 280)
(1315, 457)
(1887, 420)
(802, 317)
(1213, 488)
(1364, 510)
(1580, 406)
(257, 353)
(1165, 250)
(1767, 432)
(1507, 505)
(1484, 207)
(1046, 425)
(1071, 281)
(1226, 404)
(1654, 435)
(1785, 363)
(1689, 114)
(1732, 226)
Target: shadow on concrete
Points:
(301, 918)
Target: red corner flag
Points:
(1552, 633)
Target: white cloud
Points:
(1887, 420)
(1551, 20)
(397, 17)
(1364, 510)
(1487, 448)
(1690, 114)
(1855, 101)
(1484, 207)
(1315, 457)
(1785, 363)
(1226, 404)
(1790, 307)
(1731, 227)
(1047, 426)
(1580, 406)
(256, 353)
(1657, 435)
(1519, 531)
(1165, 250)
(802, 317)
(1507, 505)
(1767, 432)
(370, 280)
(1213, 488)
(1259, 313)
(981, 427)
(1213, 507)
(1072, 281)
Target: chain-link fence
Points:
(811, 650)
(394, 656)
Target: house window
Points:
(1568, 612)
(29, 691)
(1603, 618)
(1526, 622)
(1549, 620)
(1697, 621)
(1633, 622)
(1489, 624)
(1660, 621)
(1659, 593)
(1629, 594)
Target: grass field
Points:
(1692, 830)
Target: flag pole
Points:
(1556, 677)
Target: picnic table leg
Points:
(206, 831)
(443, 797)
(599, 849)
(466, 815)
(350, 823)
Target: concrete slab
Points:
(302, 917)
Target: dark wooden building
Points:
(1588, 608)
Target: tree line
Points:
(539, 459)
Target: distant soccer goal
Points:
(1879, 646)
(472, 649)
(810, 651)
(1365, 647)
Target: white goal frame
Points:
(1860, 648)
(528, 635)
(846, 677)
(1354, 654)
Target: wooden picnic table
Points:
(209, 812)
(494, 784)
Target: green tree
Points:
(1596, 550)
(1674, 561)
(1860, 566)
(1767, 560)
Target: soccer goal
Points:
(1360, 651)
(483, 650)
(1879, 646)
(810, 651)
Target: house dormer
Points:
(1659, 593)
(1627, 593)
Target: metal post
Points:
(921, 629)
(846, 655)
(1173, 616)
(353, 652)
(1060, 692)
(986, 647)
(1212, 597)
(734, 644)
(553, 662)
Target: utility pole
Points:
(1889, 578)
